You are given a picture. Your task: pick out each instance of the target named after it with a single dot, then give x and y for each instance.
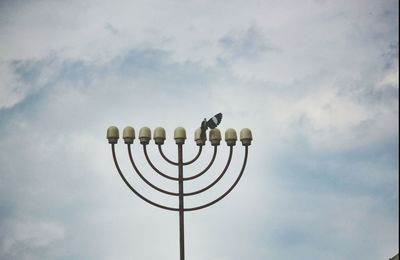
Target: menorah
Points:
(180, 137)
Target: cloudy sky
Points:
(315, 80)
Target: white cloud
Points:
(19, 238)
(390, 79)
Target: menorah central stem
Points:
(181, 206)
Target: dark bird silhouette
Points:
(211, 123)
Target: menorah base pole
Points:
(181, 205)
(181, 235)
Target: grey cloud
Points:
(391, 55)
(151, 65)
(28, 71)
(28, 239)
(109, 27)
(249, 44)
(156, 65)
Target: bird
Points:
(211, 123)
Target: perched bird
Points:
(211, 123)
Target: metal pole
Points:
(181, 206)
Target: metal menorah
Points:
(180, 137)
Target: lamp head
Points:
(214, 136)
(128, 135)
(180, 135)
(197, 137)
(246, 136)
(230, 137)
(112, 135)
(159, 135)
(144, 135)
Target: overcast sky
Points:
(315, 80)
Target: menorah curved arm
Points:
(196, 157)
(217, 180)
(175, 163)
(144, 179)
(132, 189)
(165, 157)
(155, 168)
(228, 191)
(206, 169)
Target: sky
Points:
(315, 80)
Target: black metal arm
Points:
(155, 168)
(165, 157)
(217, 180)
(196, 157)
(229, 190)
(144, 179)
(177, 194)
(133, 190)
(206, 169)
